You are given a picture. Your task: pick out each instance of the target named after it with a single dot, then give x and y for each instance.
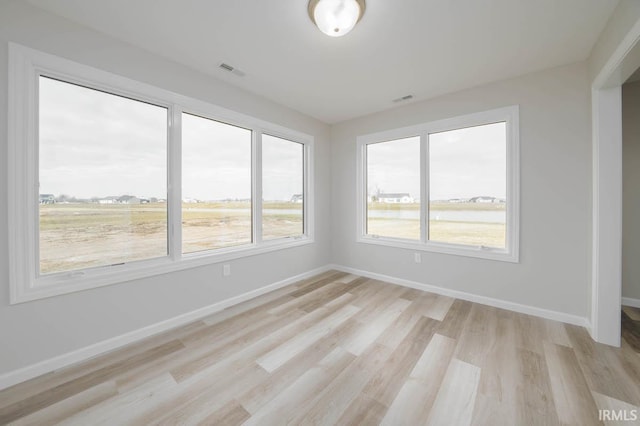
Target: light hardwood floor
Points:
(631, 326)
(341, 349)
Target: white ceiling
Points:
(420, 47)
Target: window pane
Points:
(393, 189)
(467, 190)
(216, 184)
(282, 188)
(103, 178)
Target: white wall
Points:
(555, 140)
(35, 331)
(631, 190)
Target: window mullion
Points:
(424, 187)
(305, 192)
(175, 182)
(364, 194)
(256, 186)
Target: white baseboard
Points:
(628, 301)
(497, 303)
(17, 376)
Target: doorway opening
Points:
(630, 315)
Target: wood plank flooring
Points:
(341, 349)
(631, 326)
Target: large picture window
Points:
(453, 189)
(112, 180)
(102, 171)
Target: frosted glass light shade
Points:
(336, 18)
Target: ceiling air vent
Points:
(404, 98)
(232, 69)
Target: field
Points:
(439, 206)
(75, 236)
(459, 232)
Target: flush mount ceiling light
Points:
(336, 18)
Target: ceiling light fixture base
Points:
(336, 18)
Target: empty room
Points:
(319, 212)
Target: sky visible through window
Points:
(463, 164)
(216, 160)
(394, 167)
(282, 169)
(94, 144)
(469, 162)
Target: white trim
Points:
(510, 115)
(174, 191)
(628, 301)
(483, 300)
(616, 59)
(424, 188)
(149, 269)
(25, 65)
(436, 247)
(82, 354)
(606, 277)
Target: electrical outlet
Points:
(417, 257)
(226, 270)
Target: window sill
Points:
(64, 283)
(442, 248)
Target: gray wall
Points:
(555, 141)
(35, 331)
(631, 190)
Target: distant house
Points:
(484, 199)
(108, 200)
(401, 197)
(297, 198)
(47, 199)
(129, 199)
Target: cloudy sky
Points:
(468, 162)
(216, 160)
(462, 164)
(394, 167)
(94, 144)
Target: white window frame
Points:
(25, 67)
(305, 165)
(509, 115)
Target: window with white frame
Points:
(449, 186)
(111, 180)
(393, 188)
(102, 166)
(282, 188)
(216, 184)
